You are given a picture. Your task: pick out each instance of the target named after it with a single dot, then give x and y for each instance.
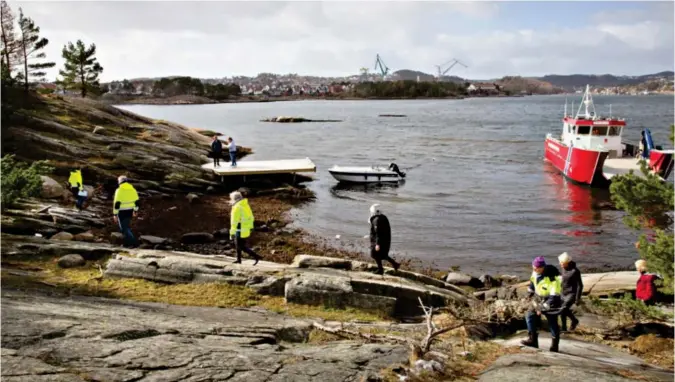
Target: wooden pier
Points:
(244, 168)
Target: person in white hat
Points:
(380, 238)
(572, 288)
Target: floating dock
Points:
(243, 168)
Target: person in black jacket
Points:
(572, 288)
(217, 150)
(380, 238)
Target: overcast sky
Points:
(217, 39)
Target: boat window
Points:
(583, 130)
(614, 131)
(600, 130)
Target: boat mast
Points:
(586, 102)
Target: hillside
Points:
(570, 82)
(518, 85)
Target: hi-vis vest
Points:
(126, 196)
(75, 179)
(241, 219)
(546, 287)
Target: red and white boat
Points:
(590, 150)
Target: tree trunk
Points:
(25, 63)
(84, 86)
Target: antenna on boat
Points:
(565, 115)
(610, 111)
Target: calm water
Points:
(482, 199)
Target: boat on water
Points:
(373, 174)
(590, 150)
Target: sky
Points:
(221, 39)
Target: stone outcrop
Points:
(309, 280)
(84, 339)
(577, 361)
(51, 188)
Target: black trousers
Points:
(566, 313)
(240, 245)
(216, 159)
(379, 256)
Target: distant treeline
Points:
(169, 87)
(408, 89)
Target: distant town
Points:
(269, 85)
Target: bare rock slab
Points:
(577, 360)
(113, 340)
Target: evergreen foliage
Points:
(648, 203)
(81, 69)
(29, 46)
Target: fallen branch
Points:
(432, 330)
(100, 274)
(342, 332)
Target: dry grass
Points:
(655, 350)
(87, 281)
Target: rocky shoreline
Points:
(77, 306)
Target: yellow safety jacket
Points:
(75, 179)
(548, 290)
(126, 198)
(241, 219)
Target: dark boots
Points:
(532, 340)
(575, 323)
(555, 341)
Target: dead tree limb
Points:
(432, 330)
(342, 332)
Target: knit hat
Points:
(374, 210)
(564, 258)
(235, 197)
(539, 262)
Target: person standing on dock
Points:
(545, 290)
(241, 225)
(216, 150)
(232, 148)
(77, 187)
(380, 238)
(572, 288)
(125, 208)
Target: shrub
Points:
(20, 180)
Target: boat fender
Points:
(393, 167)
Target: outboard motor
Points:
(393, 167)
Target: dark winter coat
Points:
(572, 285)
(217, 146)
(380, 232)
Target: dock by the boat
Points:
(243, 168)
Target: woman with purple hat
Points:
(545, 289)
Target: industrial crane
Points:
(382, 66)
(441, 72)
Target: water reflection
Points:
(580, 203)
(342, 190)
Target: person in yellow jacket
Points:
(545, 291)
(77, 187)
(241, 225)
(125, 207)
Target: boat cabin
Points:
(589, 131)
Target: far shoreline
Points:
(194, 100)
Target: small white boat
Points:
(373, 174)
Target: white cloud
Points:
(215, 39)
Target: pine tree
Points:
(8, 41)
(29, 48)
(648, 202)
(81, 67)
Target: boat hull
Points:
(579, 165)
(356, 177)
